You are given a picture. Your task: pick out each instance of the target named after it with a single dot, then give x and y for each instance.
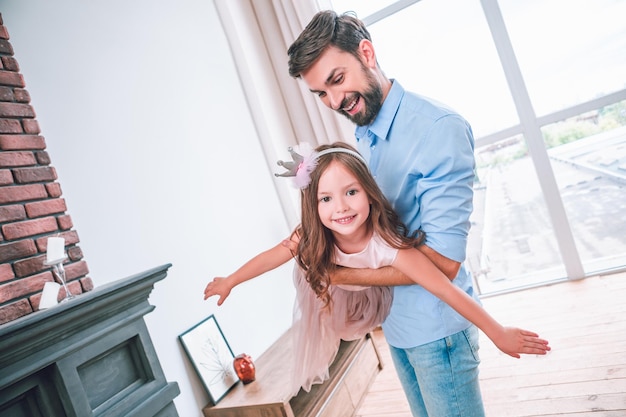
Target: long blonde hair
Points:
(316, 247)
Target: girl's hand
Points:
(514, 341)
(219, 286)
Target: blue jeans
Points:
(440, 379)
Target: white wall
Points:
(158, 159)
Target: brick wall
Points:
(31, 207)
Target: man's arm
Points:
(449, 267)
(388, 275)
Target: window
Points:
(543, 83)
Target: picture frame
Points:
(211, 356)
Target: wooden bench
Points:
(351, 374)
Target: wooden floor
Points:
(584, 374)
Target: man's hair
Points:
(344, 32)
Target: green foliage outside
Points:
(602, 120)
(605, 119)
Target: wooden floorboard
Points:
(583, 376)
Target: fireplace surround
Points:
(90, 356)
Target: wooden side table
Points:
(351, 374)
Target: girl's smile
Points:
(344, 220)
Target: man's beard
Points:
(372, 100)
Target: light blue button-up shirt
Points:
(422, 156)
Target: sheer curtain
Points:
(285, 113)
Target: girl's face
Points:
(343, 204)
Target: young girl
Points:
(347, 221)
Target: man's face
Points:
(346, 85)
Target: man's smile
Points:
(351, 106)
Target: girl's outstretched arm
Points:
(263, 262)
(509, 340)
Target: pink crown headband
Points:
(304, 161)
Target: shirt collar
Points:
(382, 123)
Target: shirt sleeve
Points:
(445, 189)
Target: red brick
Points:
(71, 237)
(9, 110)
(10, 64)
(6, 272)
(20, 193)
(22, 96)
(14, 79)
(46, 207)
(76, 270)
(16, 159)
(27, 228)
(6, 94)
(87, 284)
(29, 266)
(17, 250)
(20, 142)
(10, 126)
(31, 126)
(5, 47)
(6, 177)
(37, 174)
(4, 34)
(43, 158)
(75, 289)
(54, 190)
(12, 213)
(65, 222)
(23, 287)
(75, 253)
(15, 311)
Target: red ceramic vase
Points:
(244, 367)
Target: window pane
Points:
(449, 57)
(511, 242)
(588, 155)
(569, 51)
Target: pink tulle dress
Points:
(354, 311)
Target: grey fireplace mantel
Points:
(90, 356)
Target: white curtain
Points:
(285, 113)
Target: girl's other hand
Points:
(219, 286)
(514, 341)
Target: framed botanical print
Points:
(211, 357)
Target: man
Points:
(422, 156)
